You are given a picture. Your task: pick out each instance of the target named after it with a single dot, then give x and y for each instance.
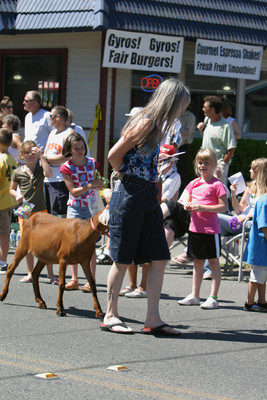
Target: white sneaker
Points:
(126, 290)
(210, 304)
(136, 294)
(207, 275)
(189, 300)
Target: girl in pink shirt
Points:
(206, 197)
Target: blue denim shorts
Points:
(78, 212)
(136, 223)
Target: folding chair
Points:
(230, 257)
(177, 241)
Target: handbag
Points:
(95, 204)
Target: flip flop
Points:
(54, 281)
(159, 331)
(26, 279)
(180, 260)
(109, 328)
(126, 290)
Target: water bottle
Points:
(12, 239)
(17, 238)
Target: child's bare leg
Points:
(169, 234)
(197, 277)
(132, 272)
(215, 276)
(50, 272)
(74, 272)
(4, 246)
(261, 293)
(30, 263)
(252, 287)
(143, 282)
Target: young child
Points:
(7, 202)
(30, 180)
(171, 180)
(79, 174)
(206, 198)
(256, 249)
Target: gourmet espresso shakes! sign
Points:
(227, 59)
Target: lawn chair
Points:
(232, 242)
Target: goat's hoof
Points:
(2, 297)
(61, 313)
(42, 305)
(99, 315)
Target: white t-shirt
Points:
(37, 127)
(230, 120)
(171, 182)
(54, 146)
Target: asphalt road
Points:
(221, 354)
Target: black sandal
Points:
(104, 259)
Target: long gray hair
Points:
(168, 102)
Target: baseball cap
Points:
(133, 111)
(167, 151)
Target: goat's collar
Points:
(97, 230)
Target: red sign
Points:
(151, 82)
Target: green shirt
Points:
(32, 188)
(219, 136)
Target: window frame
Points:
(63, 52)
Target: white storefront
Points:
(84, 80)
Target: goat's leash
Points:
(95, 228)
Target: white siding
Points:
(83, 78)
(83, 68)
(123, 99)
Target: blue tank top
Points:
(138, 162)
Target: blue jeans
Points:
(78, 212)
(225, 228)
(206, 267)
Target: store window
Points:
(42, 70)
(255, 118)
(143, 85)
(201, 86)
(256, 105)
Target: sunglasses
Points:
(9, 107)
(52, 116)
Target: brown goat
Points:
(60, 241)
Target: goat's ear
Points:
(104, 217)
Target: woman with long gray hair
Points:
(136, 222)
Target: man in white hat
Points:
(133, 111)
(171, 180)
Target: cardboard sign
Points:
(228, 59)
(143, 51)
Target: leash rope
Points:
(97, 230)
